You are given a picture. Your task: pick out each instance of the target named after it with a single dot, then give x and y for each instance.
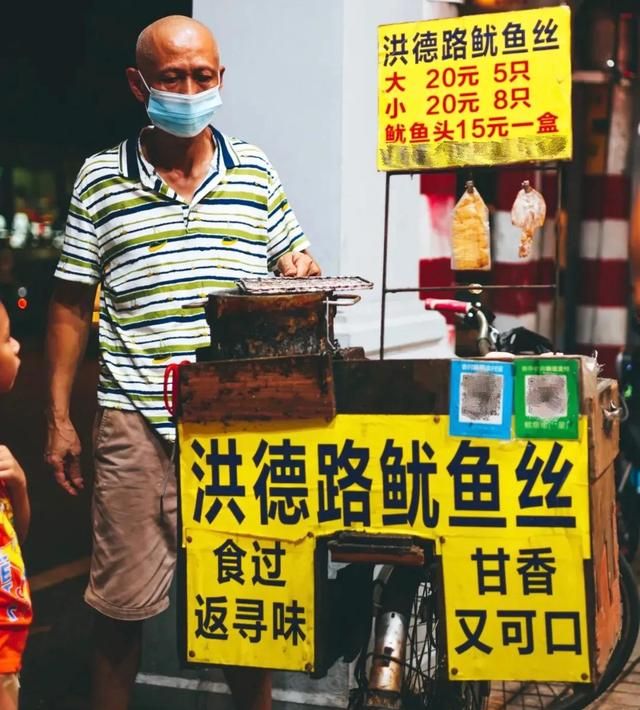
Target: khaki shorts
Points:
(134, 518)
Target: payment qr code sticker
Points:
(481, 397)
(546, 396)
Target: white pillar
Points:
(301, 83)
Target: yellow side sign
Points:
(510, 520)
(478, 90)
(516, 608)
(251, 600)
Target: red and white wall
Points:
(604, 239)
(517, 306)
(513, 306)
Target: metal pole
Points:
(575, 178)
(384, 262)
(556, 293)
(472, 288)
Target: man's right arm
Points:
(68, 329)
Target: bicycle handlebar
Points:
(450, 305)
(447, 304)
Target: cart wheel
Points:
(565, 696)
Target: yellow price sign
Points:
(510, 520)
(484, 89)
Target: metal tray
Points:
(283, 285)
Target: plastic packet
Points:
(470, 238)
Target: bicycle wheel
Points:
(567, 696)
(629, 628)
(627, 509)
(426, 682)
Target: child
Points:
(15, 513)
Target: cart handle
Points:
(614, 411)
(447, 305)
(343, 299)
(171, 383)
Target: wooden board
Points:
(603, 449)
(293, 387)
(604, 549)
(392, 386)
(604, 434)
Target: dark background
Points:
(64, 96)
(62, 75)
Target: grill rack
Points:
(314, 284)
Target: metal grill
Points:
(315, 284)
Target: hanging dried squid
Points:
(528, 213)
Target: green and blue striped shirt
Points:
(153, 253)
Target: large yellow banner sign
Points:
(478, 90)
(510, 520)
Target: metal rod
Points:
(470, 287)
(575, 198)
(479, 168)
(384, 262)
(549, 167)
(555, 338)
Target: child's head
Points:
(9, 349)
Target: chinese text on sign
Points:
(479, 90)
(509, 518)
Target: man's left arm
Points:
(288, 245)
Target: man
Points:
(158, 221)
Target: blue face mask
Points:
(182, 115)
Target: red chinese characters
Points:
(395, 108)
(547, 123)
(477, 82)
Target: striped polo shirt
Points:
(153, 253)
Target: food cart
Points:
(292, 454)
(488, 482)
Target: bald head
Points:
(174, 36)
(175, 54)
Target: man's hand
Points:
(69, 324)
(298, 264)
(10, 470)
(63, 455)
